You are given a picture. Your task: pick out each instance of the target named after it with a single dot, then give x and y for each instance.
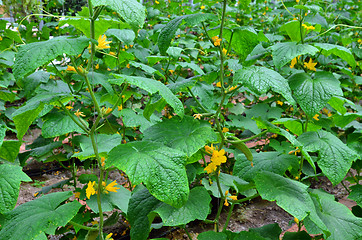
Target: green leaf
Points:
(356, 194)
(57, 124)
(111, 200)
(2, 133)
(23, 117)
(130, 10)
(6, 95)
(212, 235)
(141, 204)
(192, 66)
(33, 55)
(82, 24)
(337, 50)
(290, 195)
(314, 94)
(284, 52)
(159, 167)
(44, 214)
(263, 161)
(146, 68)
(187, 135)
(302, 235)
(270, 231)
(10, 178)
(261, 79)
(339, 220)
(196, 207)
(243, 42)
(9, 150)
(105, 143)
(168, 32)
(152, 86)
(126, 36)
(133, 119)
(335, 158)
(292, 28)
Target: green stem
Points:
(197, 101)
(301, 27)
(228, 217)
(73, 118)
(255, 136)
(187, 232)
(82, 226)
(247, 199)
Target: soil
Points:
(253, 214)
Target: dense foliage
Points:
(226, 100)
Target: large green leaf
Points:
(82, 24)
(130, 10)
(243, 42)
(126, 36)
(337, 50)
(187, 135)
(168, 32)
(10, 178)
(152, 86)
(57, 124)
(9, 150)
(314, 94)
(105, 143)
(196, 207)
(261, 79)
(289, 194)
(33, 55)
(2, 133)
(356, 194)
(339, 220)
(292, 28)
(284, 52)
(159, 167)
(44, 214)
(263, 161)
(141, 204)
(335, 158)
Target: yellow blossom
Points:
(224, 51)
(171, 71)
(218, 157)
(232, 88)
(280, 103)
(296, 220)
(120, 108)
(103, 43)
(297, 1)
(202, 7)
(78, 113)
(109, 236)
(316, 117)
(69, 107)
(71, 69)
(90, 189)
(94, 222)
(211, 167)
(310, 65)
(294, 61)
(308, 27)
(226, 203)
(128, 66)
(56, 28)
(111, 187)
(157, 2)
(218, 84)
(233, 198)
(97, 66)
(36, 194)
(250, 19)
(224, 130)
(216, 40)
(197, 116)
(77, 194)
(209, 149)
(108, 110)
(103, 161)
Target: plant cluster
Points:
(177, 101)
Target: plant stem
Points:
(187, 232)
(228, 217)
(255, 136)
(247, 199)
(73, 118)
(82, 226)
(197, 101)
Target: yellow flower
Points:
(216, 40)
(171, 71)
(97, 66)
(157, 2)
(297, 1)
(102, 42)
(209, 149)
(197, 116)
(224, 51)
(71, 69)
(264, 13)
(119, 108)
(90, 189)
(293, 62)
(69, 107)
(77, 194)
(112, 53)
(111, 187)
(280, 103)
(211, 167)
(316, 117)
(308, 27)
(103, 161)
(296, 220)
(218, 84)
(234, 198)
(202, 7)
(109, 236)
(108, 110)
(56, 28)
(232, 88)
(226, 202)
(77, 113)
(218, 157)
(310, 65)
(224, 130)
